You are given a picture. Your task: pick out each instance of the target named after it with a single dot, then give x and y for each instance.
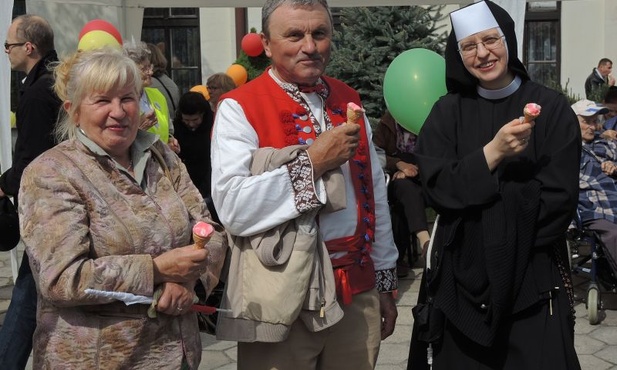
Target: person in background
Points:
(597, 202)
(193, 127)
(297, 112)
(30, 48)
(497, 289)
(160, 79)
(111, 208)
(217, 85)
(599, 77)
(404, 189)
(155, 116)
(609, 126)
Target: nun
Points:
(497, 290)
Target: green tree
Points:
(370, 38)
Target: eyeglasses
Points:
(8, 46)
(489, 43)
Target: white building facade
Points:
(588, 28)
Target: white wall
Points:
(588, 33)
(254, 18)
(68, 19)
(218, 40)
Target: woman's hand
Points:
(147, 120)
(174, 144)
(176, 299)
(510, 140)
(180, 265)
(407, 170)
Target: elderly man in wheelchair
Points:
(598, 177)
(597, 204)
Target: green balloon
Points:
(413, 82)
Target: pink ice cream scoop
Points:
(201, 234)
(354, 112)
(531, 112)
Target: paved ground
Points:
(596, 344)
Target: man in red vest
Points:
(292, 105)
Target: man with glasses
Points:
(597, 201)
(30, 48)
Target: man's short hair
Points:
(604, 61)
(36, 30)
(271, 5)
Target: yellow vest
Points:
(158, 102)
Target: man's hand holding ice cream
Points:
(334, 147)
(354, 112)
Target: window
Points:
(176, 32)
(542, 42)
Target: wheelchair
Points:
(588, 257)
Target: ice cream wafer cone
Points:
(354, 112)
(201, 234)
(531, 112)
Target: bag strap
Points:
(159, 158)
(171, 99)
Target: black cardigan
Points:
(36, 116)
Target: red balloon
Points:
(101, 25)
(251, 45)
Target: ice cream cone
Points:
(201, 234)
(354, 112)
(531, 112)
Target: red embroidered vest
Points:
(279, 122)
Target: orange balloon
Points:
(202, 90)
(97, 39)
(237, 73)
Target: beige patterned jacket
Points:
(88, 224)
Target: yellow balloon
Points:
(201, 89)
(237, 73)
(97, 39)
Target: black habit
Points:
(497, 291)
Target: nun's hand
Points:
(510, 140)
